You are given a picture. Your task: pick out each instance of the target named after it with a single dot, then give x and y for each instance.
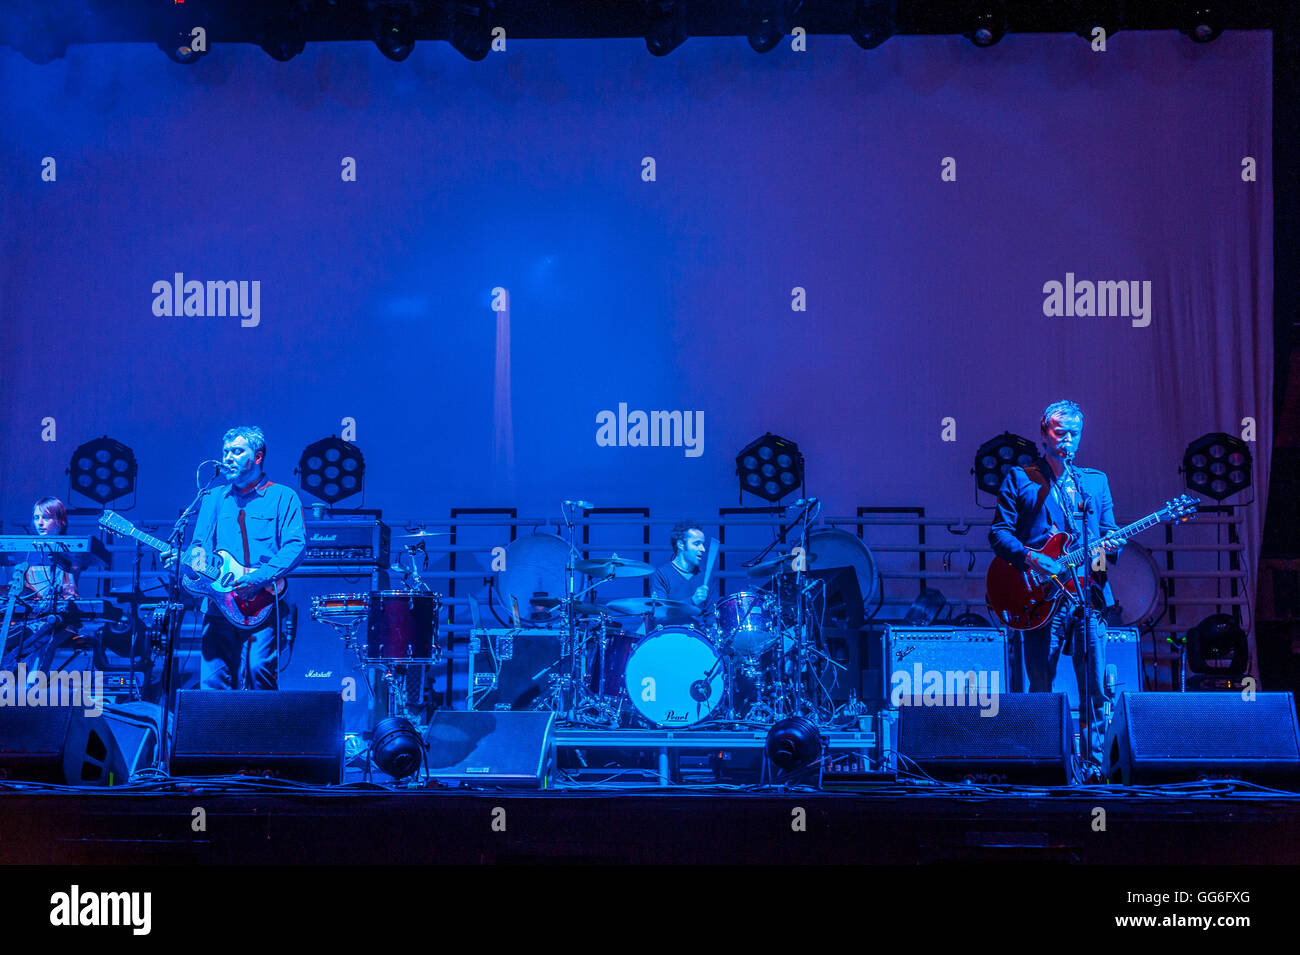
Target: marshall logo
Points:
(318, 674)
(324, 537)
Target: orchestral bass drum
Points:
(675, 677)
(401, 627)
(1135, 584)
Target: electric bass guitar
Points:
(1026, 599)
(212, 576)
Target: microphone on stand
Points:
(1112, 677)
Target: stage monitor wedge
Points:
(285, 734)
(1183, 737)
(1018, 738)
(491, 748)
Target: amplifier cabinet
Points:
(921, 657)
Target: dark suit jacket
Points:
(1028, 513)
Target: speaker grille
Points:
(217, 722)
(34, 731)
(284, 733)
(1212, 726)
(1027, 726)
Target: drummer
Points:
(682, 578)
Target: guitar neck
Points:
(1076, 557)
(149, 539)
(130, 530)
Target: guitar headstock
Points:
(112, 521)
(1179, 509)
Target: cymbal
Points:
(631, 606)
(613, 566)
(421, 534)
(773, 564)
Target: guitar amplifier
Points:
(363, 543)
(1123, 651)
(917, 656)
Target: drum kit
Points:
(392, 631)
(746, 658)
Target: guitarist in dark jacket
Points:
(260, 524)
(1034, 503)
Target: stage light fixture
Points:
(184, 33)
(874, 22)
(102, 470)
(770, 21)
(1201, 22)
(997, 456)
(282, 38)
(395, 37)
(395, 747)
(331, 469)
(988, 25)
(1090, 15)
(793, 744)
(665, 25)
(179, 50)
(1217, 646)
(770, 467)
(1217, 465)
(925, 608)
(471, 29)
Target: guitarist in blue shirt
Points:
(259, 523)
(1034, 503)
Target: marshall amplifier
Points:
(347, 543)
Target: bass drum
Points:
(1135, 584)
(675, 677)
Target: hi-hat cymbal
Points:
(632, 606)
(421, 534)
(773, 565)
(613, 566)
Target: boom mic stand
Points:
(174, 596)
(1085, 607)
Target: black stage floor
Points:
(238, 821)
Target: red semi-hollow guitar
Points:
(1025, 599)
(214, 577)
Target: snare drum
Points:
(401, 627)
(330, 606)
(675, 677)
(747, 622)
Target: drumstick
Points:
(710, 560)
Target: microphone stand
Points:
(1085, 605)
(174, 597)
